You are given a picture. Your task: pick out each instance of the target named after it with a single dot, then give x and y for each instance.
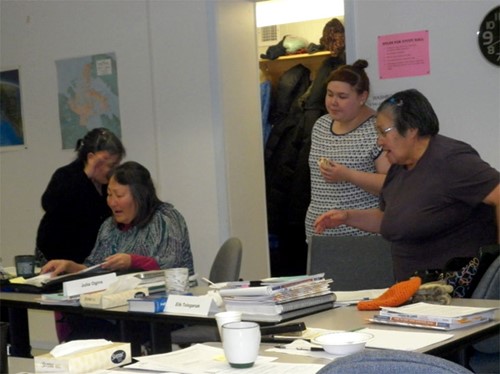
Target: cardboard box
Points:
(99, 300)
(104, 357)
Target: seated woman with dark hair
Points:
(143, 233)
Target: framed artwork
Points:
(11, 125)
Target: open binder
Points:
(43, 283)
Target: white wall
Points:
(191, 124)
(463, 87)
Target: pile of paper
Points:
(279, 299)
(433, 316)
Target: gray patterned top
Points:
(165, 238)
(357, 150)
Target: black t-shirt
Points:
(434, 212)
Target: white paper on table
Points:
(201, 358)
(437, 310)
(403, 340)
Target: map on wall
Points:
(88, 96)
(11, 120)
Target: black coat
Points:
(74, 212)
(288, 185)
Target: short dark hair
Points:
(99, 139)
(354, 75)
(138, 179)
(411, 110)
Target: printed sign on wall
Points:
(403, 55)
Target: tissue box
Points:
(104, 357)
(101, 300)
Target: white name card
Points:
(86, 285)
(194, 305)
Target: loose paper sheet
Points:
(403, 340)
(200, 358)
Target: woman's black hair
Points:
(138, 179)
(100, 139)
(354, 75)
(411, 110)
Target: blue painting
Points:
(11, 124)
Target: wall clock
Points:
(489, 36)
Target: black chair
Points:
(392, 362)
(353, 262)
(225, 268)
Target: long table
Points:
(349, 318)
(342, 318)
(159, 323)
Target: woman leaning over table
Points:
(440, 199)
(143, 233)
(75, 199)
(356, 167)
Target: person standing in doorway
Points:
(347, 166)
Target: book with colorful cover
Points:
(441, 317)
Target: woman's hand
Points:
(94, 162)
(333, 172)
(57, 267)
(330, 219)
(118, 261)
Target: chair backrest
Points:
(489, 288)
(227, 263)
(353, 262)
(391, 362)
(487, 275)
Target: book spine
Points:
(430, 318)
(159, 305)
(304, 303)
(408, 321)
(150, 306)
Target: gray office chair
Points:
(392, 362)
(353, 262)
(485, 356)
(225, 268)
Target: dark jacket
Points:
(297, 108)
(282, 147)
(74, 212)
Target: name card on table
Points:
(194, 305)
(86, 285)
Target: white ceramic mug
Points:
(225, 317)
(241, 342)
(177, 281)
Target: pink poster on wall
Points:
(403, 55)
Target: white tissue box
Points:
(100, 300)
(103, 357)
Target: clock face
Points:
(489, 36)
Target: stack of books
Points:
(432, 316)
(153, 280)
(279, 299)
